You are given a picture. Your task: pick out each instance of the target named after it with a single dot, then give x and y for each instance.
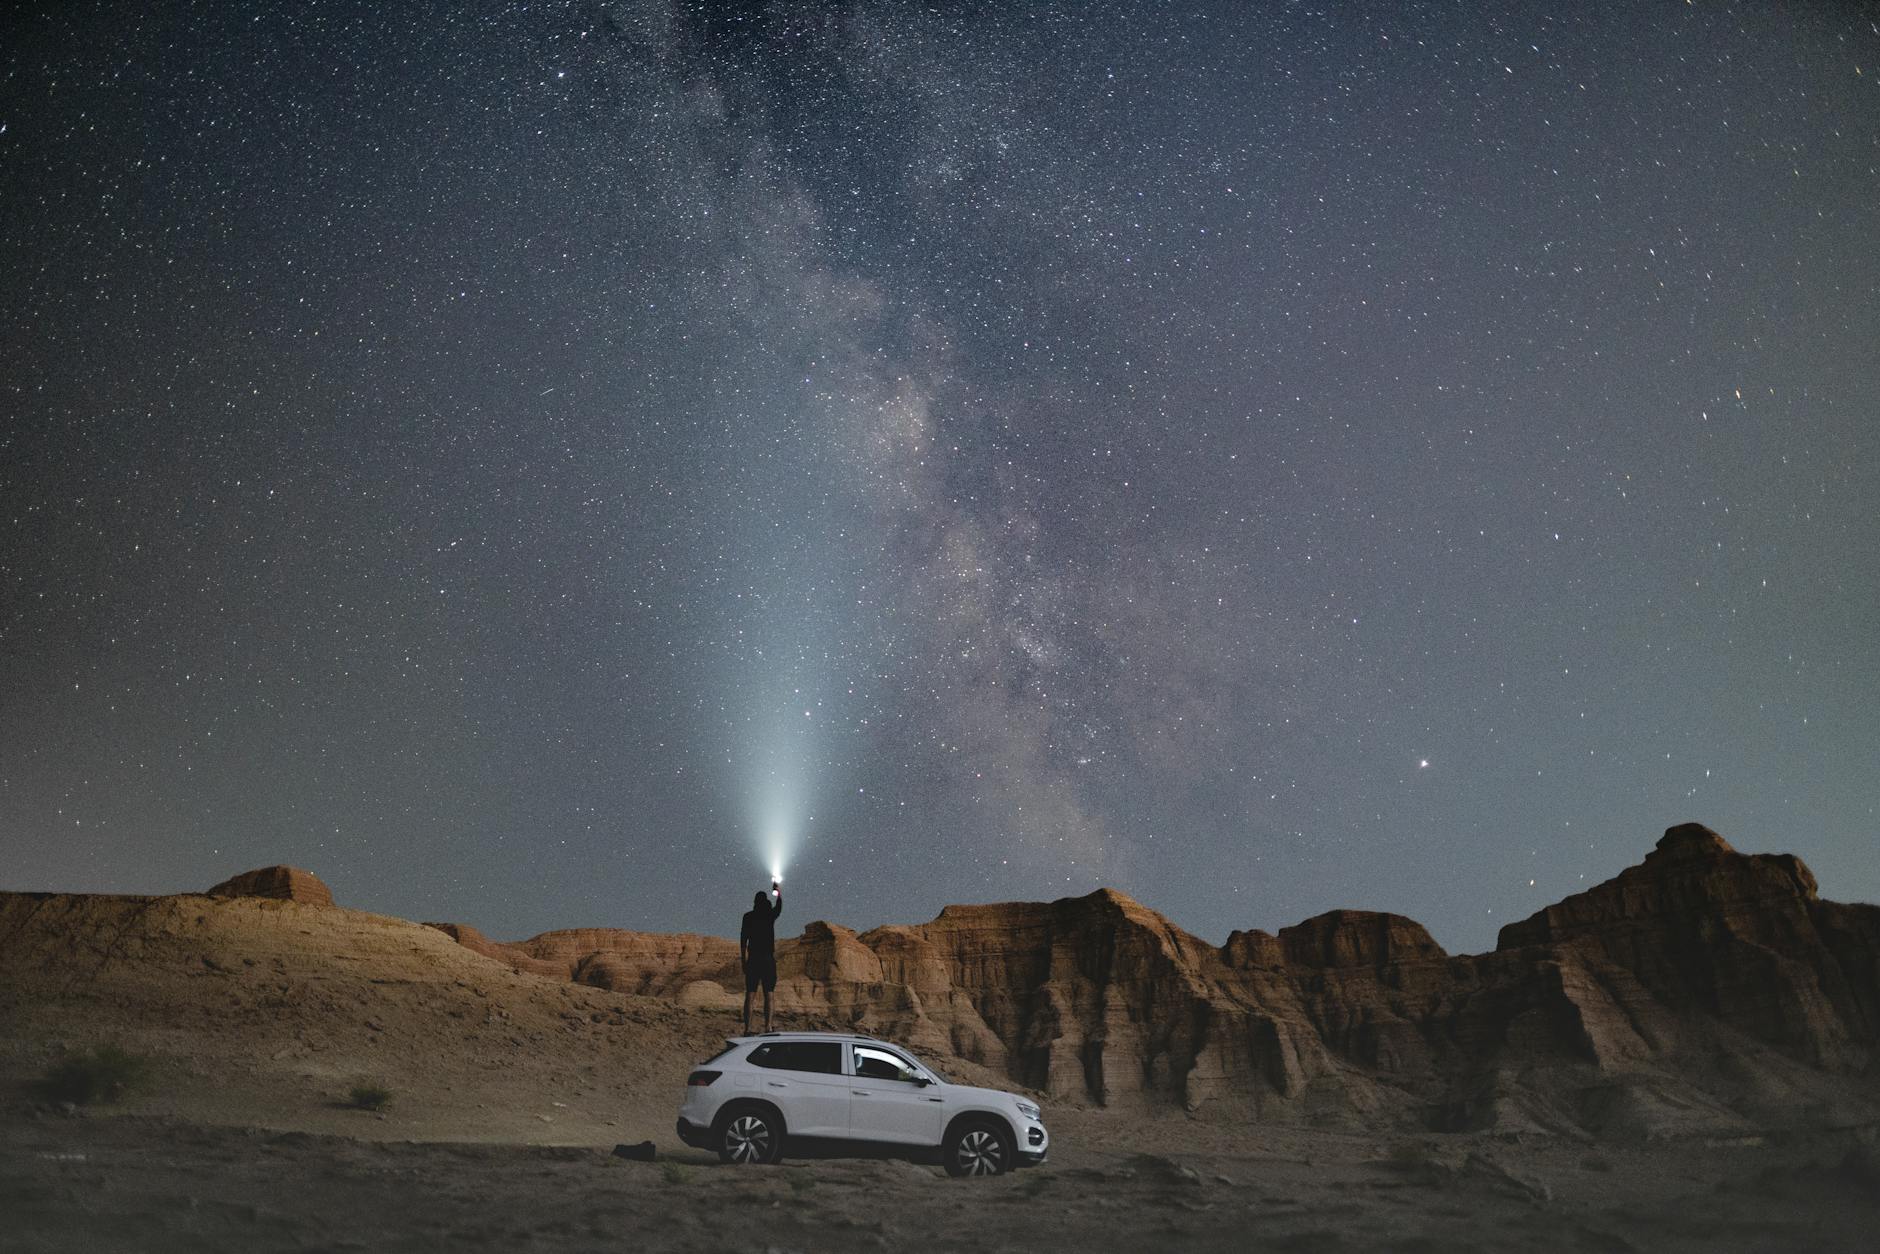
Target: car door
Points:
(890, 1100)
(805, 1080)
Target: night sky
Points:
(519, 462)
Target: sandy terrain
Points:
(509, 1090)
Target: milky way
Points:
(1263, 459)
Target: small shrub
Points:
(103, 1074)
(370, 1096)
(673, 1173)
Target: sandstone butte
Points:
(1703, 991)
(281, 883)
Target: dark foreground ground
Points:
(103, 1183)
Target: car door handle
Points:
(778, 1084)
(858, 1092)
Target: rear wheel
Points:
(750, 1135)
(979, 1148)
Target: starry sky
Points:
(521, 462)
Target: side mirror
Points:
(919, 1081)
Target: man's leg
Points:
(766, 1010)
(747, 1010)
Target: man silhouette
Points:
(757, 950)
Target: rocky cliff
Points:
(1701, 990)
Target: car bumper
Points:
(694, 1135)
(1036, 1147)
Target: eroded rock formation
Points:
(1698, 936)
(1700, 988)
(282, 883)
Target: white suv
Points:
(829, 1086)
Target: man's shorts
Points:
(761, 970)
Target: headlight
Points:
(1028, 1110)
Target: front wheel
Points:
(981, 1148)
(751, 1136)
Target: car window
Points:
(816, 1057)
(879, 1064)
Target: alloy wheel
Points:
(747, 1140)
(980, 1153)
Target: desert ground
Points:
(140, 1182)
(508, 1092)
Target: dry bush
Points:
(104, 1074)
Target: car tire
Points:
(750, 1134)
(979, 1147)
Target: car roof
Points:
(755, 1038)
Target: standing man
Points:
(757, 950)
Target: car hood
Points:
(972, 1093)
